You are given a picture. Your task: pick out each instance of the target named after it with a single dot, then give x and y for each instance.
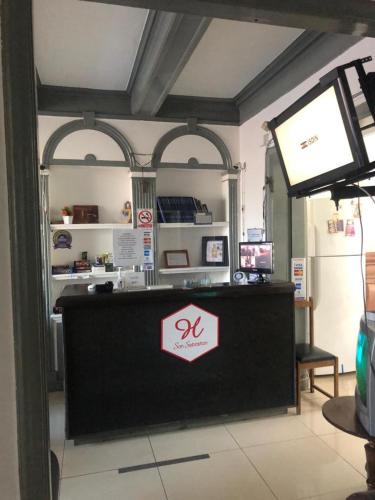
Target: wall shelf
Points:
(182, 225)
(83, 276)
(117, 225)
(190, 270)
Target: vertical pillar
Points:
(46, 273)
(232, 214)
(144, 196)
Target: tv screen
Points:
(318, 139)
(365, 374)
(256, 257)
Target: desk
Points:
(119, 377)
(340, 412)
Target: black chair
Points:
(309, 357)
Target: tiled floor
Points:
(282, 457)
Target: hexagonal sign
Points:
(189, 333)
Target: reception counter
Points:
(141, 358)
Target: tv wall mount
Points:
(345, 188)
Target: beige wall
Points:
(9, 477)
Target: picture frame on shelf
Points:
(214, 250)
(202, 218)
(176, 258)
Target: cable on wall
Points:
(361, 252)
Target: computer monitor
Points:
(257, 257)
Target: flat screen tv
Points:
(257, 257)
(318, 138)
(365, 373)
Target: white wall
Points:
(252, 148)
(110, 187)
(142, 136)
(9, 475)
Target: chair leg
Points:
(298, 390)
(312, 379)
(336, 378)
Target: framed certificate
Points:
(176, 258)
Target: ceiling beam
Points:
(70, 101)
(223, 111)
(141, 49)
(340, 16)
(309, 53)
(171, 40)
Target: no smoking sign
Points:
(145, 218)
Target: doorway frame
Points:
(29, 328)
(28, 314)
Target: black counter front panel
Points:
(117, 377)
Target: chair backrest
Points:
(309, 304)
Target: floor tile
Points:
(268, 430)
(89, 458)
(350, 448)
(347, 383)
(340, 494)
(302, 468)
(191, 442)
(139, 485)
(315, 421)
(226, 475)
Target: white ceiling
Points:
(229, 55)
(94, 45)
(86, 44)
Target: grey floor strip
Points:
(163, 463)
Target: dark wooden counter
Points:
(118, 377)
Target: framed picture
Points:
(215, 250)
(176, 258)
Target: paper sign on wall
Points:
(299, 277)
(255, 234)
(127, 247)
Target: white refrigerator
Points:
(335, 280)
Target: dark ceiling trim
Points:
(171, 41)
(309, 53)
(70, 101)
(66, 100)
(141, 49)
(211, 109)
(339, 16)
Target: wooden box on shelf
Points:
(85, 214)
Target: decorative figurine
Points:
(127, 212)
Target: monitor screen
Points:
(256, 257)
(318, 141)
